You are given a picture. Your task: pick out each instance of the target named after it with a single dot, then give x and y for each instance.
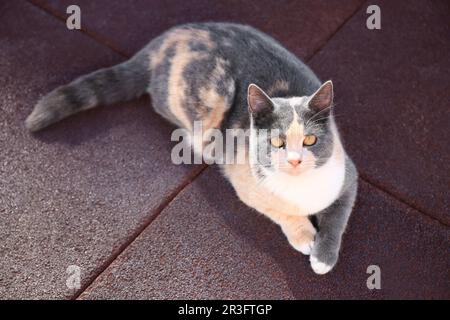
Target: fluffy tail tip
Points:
(38, 119)
(50, 109)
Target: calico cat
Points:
(233, 76)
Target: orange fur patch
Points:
(180, 39)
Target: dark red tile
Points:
(303, 26)
(206, 244)
(73, 194)
(392, 93)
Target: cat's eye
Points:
(310, 140)
(277, 142)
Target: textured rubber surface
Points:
(76, 192)
(85, 191)
(207, 244)
(392, 93)
(303, 26)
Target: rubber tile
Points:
(302, 26)
(208, 245)
(77, 192)
(392, 96)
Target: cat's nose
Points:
(294, 162)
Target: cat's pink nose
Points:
(294, 162)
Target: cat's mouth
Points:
(293, 171)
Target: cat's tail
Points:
(122, 82)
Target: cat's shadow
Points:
(258, 231)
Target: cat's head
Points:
(290, 135)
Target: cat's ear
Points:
(322, 98)
(258, 101)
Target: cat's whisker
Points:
(315, 123)
(334, 115)
(317, 120)
(321, 111)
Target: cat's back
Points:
(200, 71)
(251, 54)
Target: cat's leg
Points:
(332, 222)
(299, 231)
(295, 225)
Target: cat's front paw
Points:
(304, 247)
(323, 256)
(302, 239)
(318, 266)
